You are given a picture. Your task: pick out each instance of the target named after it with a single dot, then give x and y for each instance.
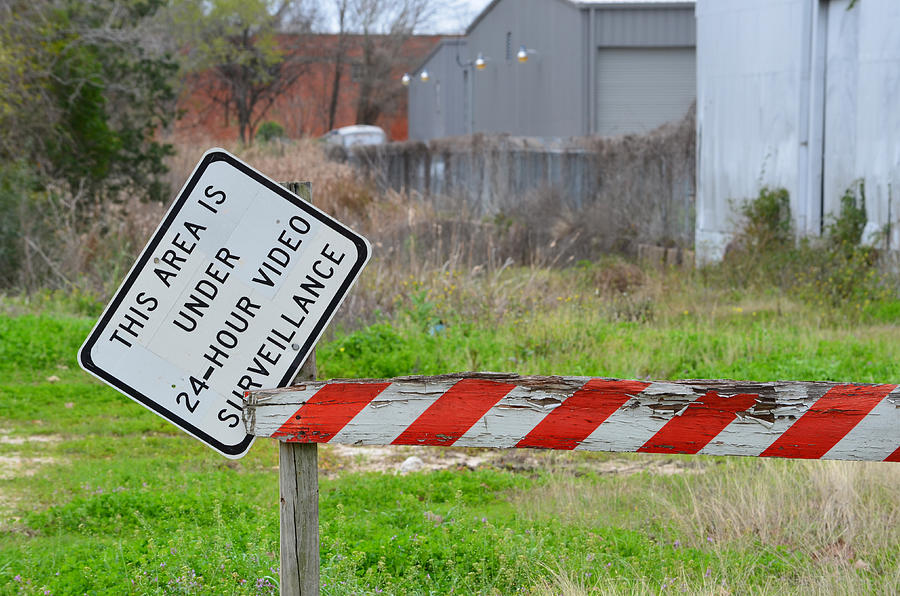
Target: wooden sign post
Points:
(298, 481)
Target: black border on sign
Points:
(84, 355)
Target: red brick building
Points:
(304, 109)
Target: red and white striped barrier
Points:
(780, 419)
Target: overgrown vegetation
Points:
(549, 201)
(837, 271)
(85, 87)
(98, 494)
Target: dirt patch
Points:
(663, 468)
(17, 466)
(338, 459)
(335, 460)
(6, 439)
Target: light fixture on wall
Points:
(522, 54)
(406, 79)
(480, 61)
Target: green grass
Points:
(124, 503)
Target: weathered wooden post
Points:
(298, 481)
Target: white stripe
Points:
(627, 429)
(270, 417)
(751, 436)
(876, 436)
(746, 436)
(390, 413)
(510, 420)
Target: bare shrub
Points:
(414, 235)
(560, 199)
(647, 182)
(67, 245)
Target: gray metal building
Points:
(604, 67)
(799, 94)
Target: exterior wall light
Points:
(424, 76)
(480, 62)
(405, 79)
(522, 54)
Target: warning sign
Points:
(230, 295)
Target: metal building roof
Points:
(595, 4)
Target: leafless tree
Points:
(340, 57)
(246, 53)
(371, 38)
(384, 27)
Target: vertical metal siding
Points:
(878, 118)
(760, 115)
(645, 27)
(841, 88)
(639, 89)
(438, 108)
(749, 63)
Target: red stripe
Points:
(698, 424)
(895, 456)
(328, 411)
(827, 421)
(580, 415)
(448, 418)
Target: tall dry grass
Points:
(841, 517)
(434, 243)
(412, 235)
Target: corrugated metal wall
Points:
(800, 94)
(645, 27)
(749, 67)
(555, 93)
(877, 150)
(639, 89)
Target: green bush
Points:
(834, 272)
(269, 131)
(768, 220)
(845, 231)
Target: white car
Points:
(357, 134)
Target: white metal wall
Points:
(800, 94)
(878, 112)
(748, 118)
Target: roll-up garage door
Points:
(640, 88)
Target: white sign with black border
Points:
(230, 295)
